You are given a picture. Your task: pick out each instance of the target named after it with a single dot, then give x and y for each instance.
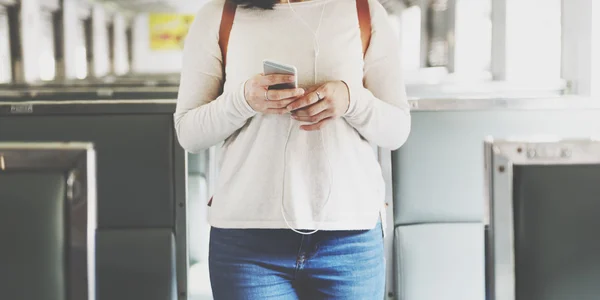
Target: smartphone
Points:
(271, 67)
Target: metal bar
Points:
(163, 105)
(474, 104)
(181, 223)
(385, 161)
(502, 232)
(93, 107)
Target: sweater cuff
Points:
(354, 99)
(241, 105)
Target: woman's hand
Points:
(321, 105)
(263, 100)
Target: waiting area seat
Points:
(440, 261)
(141, 194)
(136, 264)
(47, 221)
(440, 189)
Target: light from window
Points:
(47, 65)
(81, 67)
(411, 38)
(473, 38)
(5, 60)
(533, 40)
(81, 71)
(595, 49)
(46, 61)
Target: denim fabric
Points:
(278, 264)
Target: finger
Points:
(314, 119)
(316, 126)
(284, 94)
(276, 111)
(305, 101)
(312, 109)
(273, 79)
(279, 103)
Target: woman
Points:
(297, 209)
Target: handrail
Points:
(449, 104)
(505, 103)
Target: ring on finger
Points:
(319, 96)
(267, 95)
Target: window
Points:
(81, 65)
(596, 49)
(473, 38)
(5, 58)
(533, 46)
(410, 35)
(46, 57)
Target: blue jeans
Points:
(269, 264)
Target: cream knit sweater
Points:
(328, 179)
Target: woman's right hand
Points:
(263, 100)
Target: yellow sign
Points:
(168, 31)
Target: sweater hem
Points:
(345, 225)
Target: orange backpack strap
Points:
(364, 22)
(225, 29)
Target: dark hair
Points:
(260, 4)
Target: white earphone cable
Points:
(316, 53)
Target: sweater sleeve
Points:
(379, 109)
(204, 117)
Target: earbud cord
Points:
(316, 49)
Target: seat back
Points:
(127, 271)
(47, 221)
(439, 181)
(545, 206)
(141, 174)
(440, 261)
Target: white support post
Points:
(577, 45)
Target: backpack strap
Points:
(362, 9)
(364, 22)
(225, 29)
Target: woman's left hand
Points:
(321, 105)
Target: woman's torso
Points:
(270, 160)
